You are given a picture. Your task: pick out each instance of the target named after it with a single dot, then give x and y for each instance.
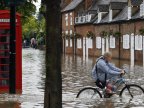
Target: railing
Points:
(82, 19)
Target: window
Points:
(70, 32)
(66, 19)
(126, 41)
(71, 19)
(79, 44)
(98, 42)
(66, 32)
(4, 57)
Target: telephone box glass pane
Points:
(4, 57)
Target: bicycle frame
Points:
(121, 81)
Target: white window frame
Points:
(79, 43)
(98, 42)
(66, 32)
(71, 19)
(138, 42)
(112, 42)
(126, 41)
(71, 32)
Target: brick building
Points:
(115, 25)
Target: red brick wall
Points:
(69, 27)
(83, 29)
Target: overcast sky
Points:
(38, 4)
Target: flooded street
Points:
(76, 74)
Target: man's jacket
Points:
(104, 67)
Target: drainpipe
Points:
(119, 42)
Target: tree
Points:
(26, 10)
(53, 83)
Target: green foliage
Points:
(77, 35)
(26, 10)
(34, 28)
(90, 34)
(117, 34)
(104, 34)
(110, 33)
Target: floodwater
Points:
(76, 74)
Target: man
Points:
(104, 70)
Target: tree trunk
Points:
(53, 83)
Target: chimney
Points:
(99, 16)
(129, 12)
(110, 15)
(142, 9)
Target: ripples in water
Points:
(76, 74)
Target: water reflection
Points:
(76, 74)
(9, 105)
(33, 82)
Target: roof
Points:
(103, 2)
(117, 5)
(137, 15)
(123, 15)
(136, 2)
(94, 7)
(105, 19)
(95, 4)
(103, 8)
(72, 5)
(119, 0)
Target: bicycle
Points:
(128, 90)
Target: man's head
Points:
(108, 56)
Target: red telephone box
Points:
(4, 51)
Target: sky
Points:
(37, 4)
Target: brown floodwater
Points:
(76, 74)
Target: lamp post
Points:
(12, 62)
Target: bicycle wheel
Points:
(89, 93)
(132, 91)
